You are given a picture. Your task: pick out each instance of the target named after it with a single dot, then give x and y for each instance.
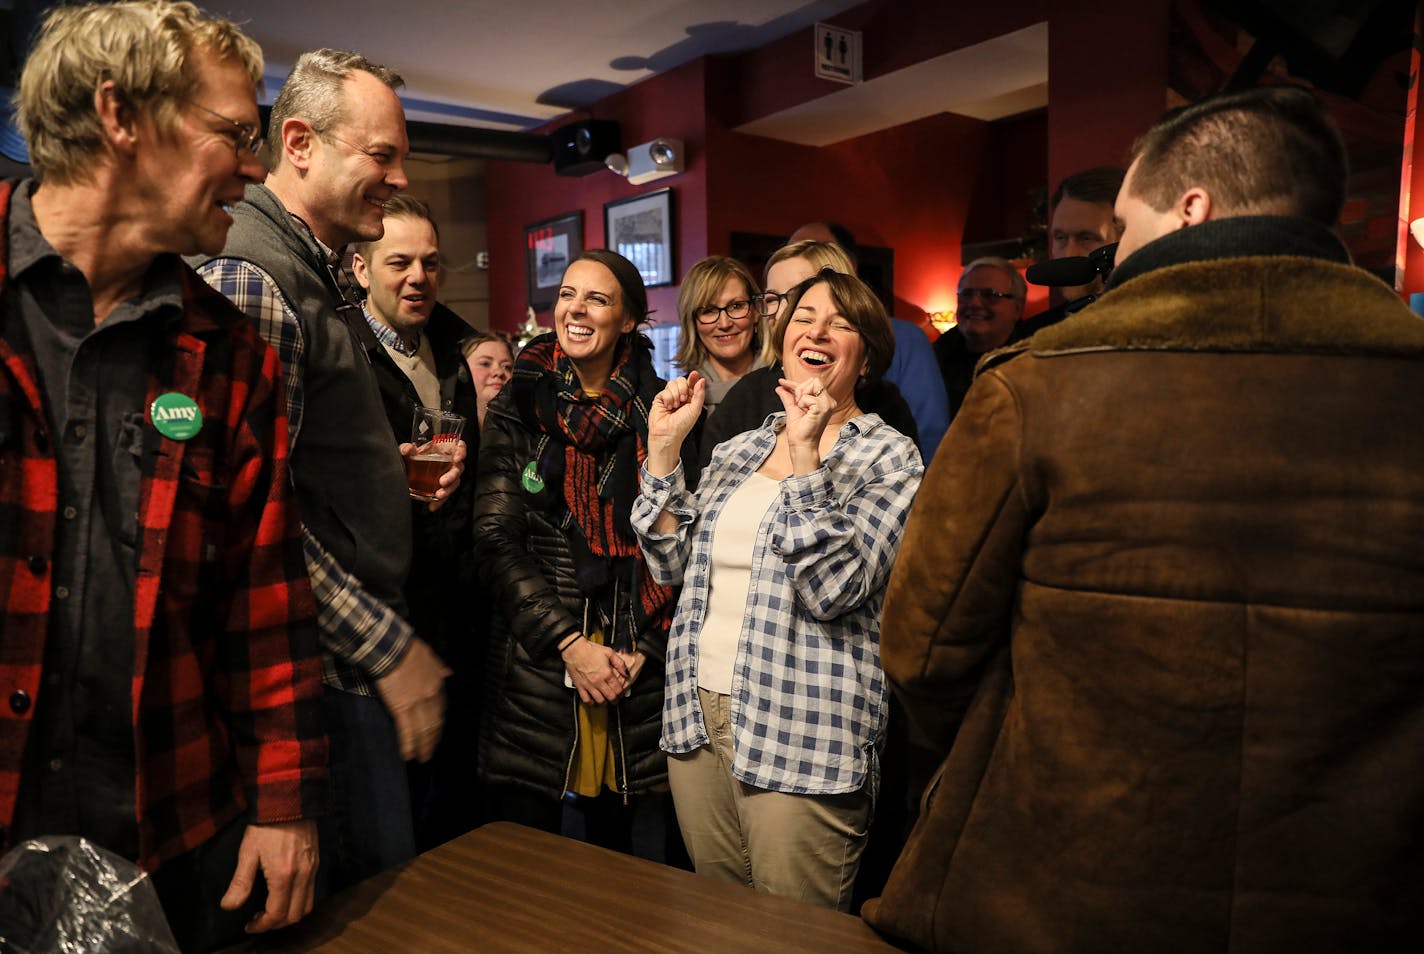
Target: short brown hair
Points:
(401, 205)
(145, 47)
(858, 305)
(1264, 151)
(699, 289)
(314, 93)
(1099, 185)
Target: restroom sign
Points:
(837, 54)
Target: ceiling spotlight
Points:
(655, 160)
(663, 152)
(616, 163)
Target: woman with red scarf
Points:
(575, 672)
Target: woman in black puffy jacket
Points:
(574, 678)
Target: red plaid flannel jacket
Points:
(227, 674)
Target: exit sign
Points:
(837, 54)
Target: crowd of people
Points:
(1134, 664)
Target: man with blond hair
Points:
(158, 648)
(337, 153)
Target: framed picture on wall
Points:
(549, 246)
(640, 229)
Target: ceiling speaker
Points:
(580, 148)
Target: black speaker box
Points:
(580, 148)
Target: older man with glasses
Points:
(991, 305)
(160, 651)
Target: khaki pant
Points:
(805, 847)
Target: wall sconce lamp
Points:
(652, 160)
(1416, 229)
(943, 321)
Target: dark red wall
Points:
(1003, 204)
(907, 188)
(1107, 79)
(921, 189)
(520, 193)
(914, 188)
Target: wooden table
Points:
(504, 887)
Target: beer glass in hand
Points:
(436, 435)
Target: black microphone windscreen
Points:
(1076, 270)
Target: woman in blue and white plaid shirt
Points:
(776, 702)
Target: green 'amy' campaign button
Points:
(533, 483)
(176, 416)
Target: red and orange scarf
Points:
(590, 449)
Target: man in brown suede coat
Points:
(1160, 604)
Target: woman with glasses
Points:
(775, 708)
(747, 405)
(722, 328)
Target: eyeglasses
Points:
(769, 303)
(987, 295)
(249, 137)
(711, 314)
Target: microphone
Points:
(1075, 270)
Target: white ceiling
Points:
(516, 64)
(989, 80)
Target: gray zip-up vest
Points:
(349, 476)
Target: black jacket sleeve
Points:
(504, 538)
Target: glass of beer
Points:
(436, 435)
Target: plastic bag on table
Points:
(66, 895)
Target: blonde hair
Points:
(314, 92)
(699, 289)
(820, 256)
(146, 47)
(469, 344)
